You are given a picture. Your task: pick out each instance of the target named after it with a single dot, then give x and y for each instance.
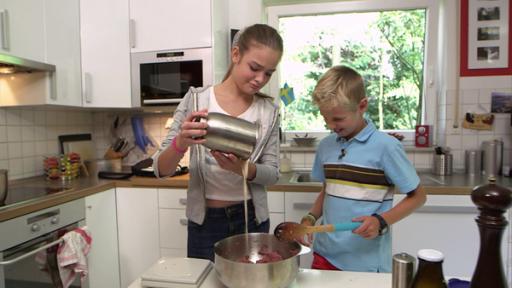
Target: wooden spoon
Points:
(292, 230)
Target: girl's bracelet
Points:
(175, 147)
(310, 217)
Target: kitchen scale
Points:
(176, 273)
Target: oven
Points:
(28, 246)
(164, 77)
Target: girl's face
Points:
(253, 70)
(344, 122)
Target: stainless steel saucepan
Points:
(234, 271)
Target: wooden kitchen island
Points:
(309, 278)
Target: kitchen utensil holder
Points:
(443, 164)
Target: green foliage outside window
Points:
(390, 58)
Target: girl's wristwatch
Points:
(383, 228)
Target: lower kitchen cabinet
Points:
(275, 208)
(297, 204)
(137, 220)
(172, 203)
(103, 258)
(445, 223)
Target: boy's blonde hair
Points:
(339, 86)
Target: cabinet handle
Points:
(88, 87)
(183, 222)
(132, 33)
(302, 205)
(89, 207)
(4, 21)
(183, 201)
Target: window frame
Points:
(429, 115)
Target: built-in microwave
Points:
(164, 77)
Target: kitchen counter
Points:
(308, 278)
(457, 184)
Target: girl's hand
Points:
(228, 161)
(369, 229)
(192, 131)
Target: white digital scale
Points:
(176, 273)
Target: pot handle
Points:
(304, 250)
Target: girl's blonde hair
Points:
(339, 86)
(256, 34)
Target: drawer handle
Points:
(302, 205)
(184, 222)
(183, 201)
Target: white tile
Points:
(4, 164)
(28, 149)
(309, 158)
(52, 147)
(423, 160)
(28, 165)
(458, 159)
(27, 117)
(410, 156)
(450, 96)
(470, 142)
(3, 134)
(3, 120)
(15, 167)
(13, 117)
(61, 118)
(14, 150)
(72, 118)
(51, 117)
(470, 96)
(39, 133)
(39, 117)
(13, 133)
(454, 142)
(41, 148)
(98, 117)
(27, 133)
(501, 126)
(485, 97)
(51, 133)
(4, 151)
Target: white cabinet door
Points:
(165, 25)
(23, 34)
(173, 221)
(297, 204)
(63, 50)
(103, 259)
(445, 223)
(137, 218)
(105, 53)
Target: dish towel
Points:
(71, 255)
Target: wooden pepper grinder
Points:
(492, 201)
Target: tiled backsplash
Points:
(29, 134)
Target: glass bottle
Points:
(430, 270)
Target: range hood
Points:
(11, 64)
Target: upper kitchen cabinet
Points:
(22, 28)
(105, 53)
(62, 18)
(165, 25)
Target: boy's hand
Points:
(369, 228)
(308, 238)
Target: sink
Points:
(302, 177)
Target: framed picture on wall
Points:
(485, 39)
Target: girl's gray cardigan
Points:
(265, 155)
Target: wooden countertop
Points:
(458, 184)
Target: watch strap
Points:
(382, 223)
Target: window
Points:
(386, 41)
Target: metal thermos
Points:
(402, 270)
(492, 157)
(229, 134)
(473, 162)
(3, 186)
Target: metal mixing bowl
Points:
(235, 274)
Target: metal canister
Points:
(492, 157)
(473, 162)
(402, 270)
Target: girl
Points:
(215, 208)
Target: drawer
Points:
(275, 202)
(173, 228)
(298, 204)
(172, 198)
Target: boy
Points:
(359, 167)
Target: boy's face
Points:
(344, 122)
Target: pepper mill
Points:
(492, 201)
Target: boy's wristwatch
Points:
(383, 228)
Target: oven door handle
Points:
(14, 260)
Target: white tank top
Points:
(223, 184)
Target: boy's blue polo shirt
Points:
(359, 175)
